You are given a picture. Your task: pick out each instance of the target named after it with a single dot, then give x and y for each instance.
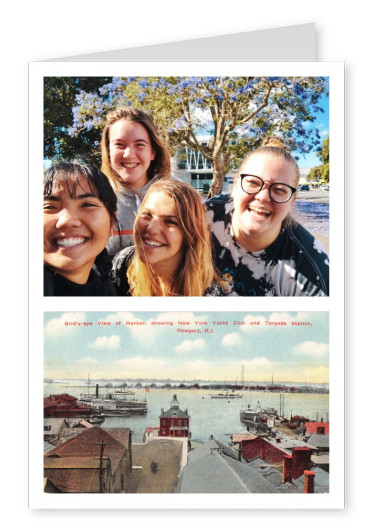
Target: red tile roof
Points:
(75, 475)
(87, 444)
(122, 435)
(64, 398)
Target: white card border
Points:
(333, 304)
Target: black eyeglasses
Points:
(278, 192)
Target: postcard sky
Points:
(284, 352)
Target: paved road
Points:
(311, 209)
(315, 196)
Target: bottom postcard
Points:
(187, 403)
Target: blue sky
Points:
(311, 160)
(120, 350)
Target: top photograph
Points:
(186, 186)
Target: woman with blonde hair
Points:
(259, 247)
(134, 156)
(172, 253)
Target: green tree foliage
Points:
(59, 98)
(321, 173)
(237, 112)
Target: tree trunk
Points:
(220, 167)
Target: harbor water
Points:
(208, 416)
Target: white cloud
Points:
(278, 317)
(87, 361)
(232, 340)
(67, 322)
(311, 349)
(191, 346)
(261, 363)
(106, 343)
(139, 367)
(255, 369)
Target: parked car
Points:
(304, 188)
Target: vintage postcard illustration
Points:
(186, 402)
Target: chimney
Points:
(287, 469)
(301, 458)
(309, 482)
(96, 390)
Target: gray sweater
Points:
(128, 203)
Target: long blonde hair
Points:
(196, 272)
(160, 167)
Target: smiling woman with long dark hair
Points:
(79, 212)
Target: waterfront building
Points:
(174, 422)
(53, 428)
(209, 466)
(215, 468)
(77, 475)
(96, 460)
(63, 405)
(317, 427)
(320, 456)
(157, 464)
(151, 432)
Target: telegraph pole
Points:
(102, 445)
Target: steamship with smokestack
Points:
(111, 406)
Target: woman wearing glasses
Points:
(259, 248)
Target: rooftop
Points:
(72, 474)
(87, 444)
(239, 437)
(167, 453)
(210, 469)
(319, 440)
(53, 426)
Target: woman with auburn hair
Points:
(172, 253)
(259, 247)
(133, 157)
